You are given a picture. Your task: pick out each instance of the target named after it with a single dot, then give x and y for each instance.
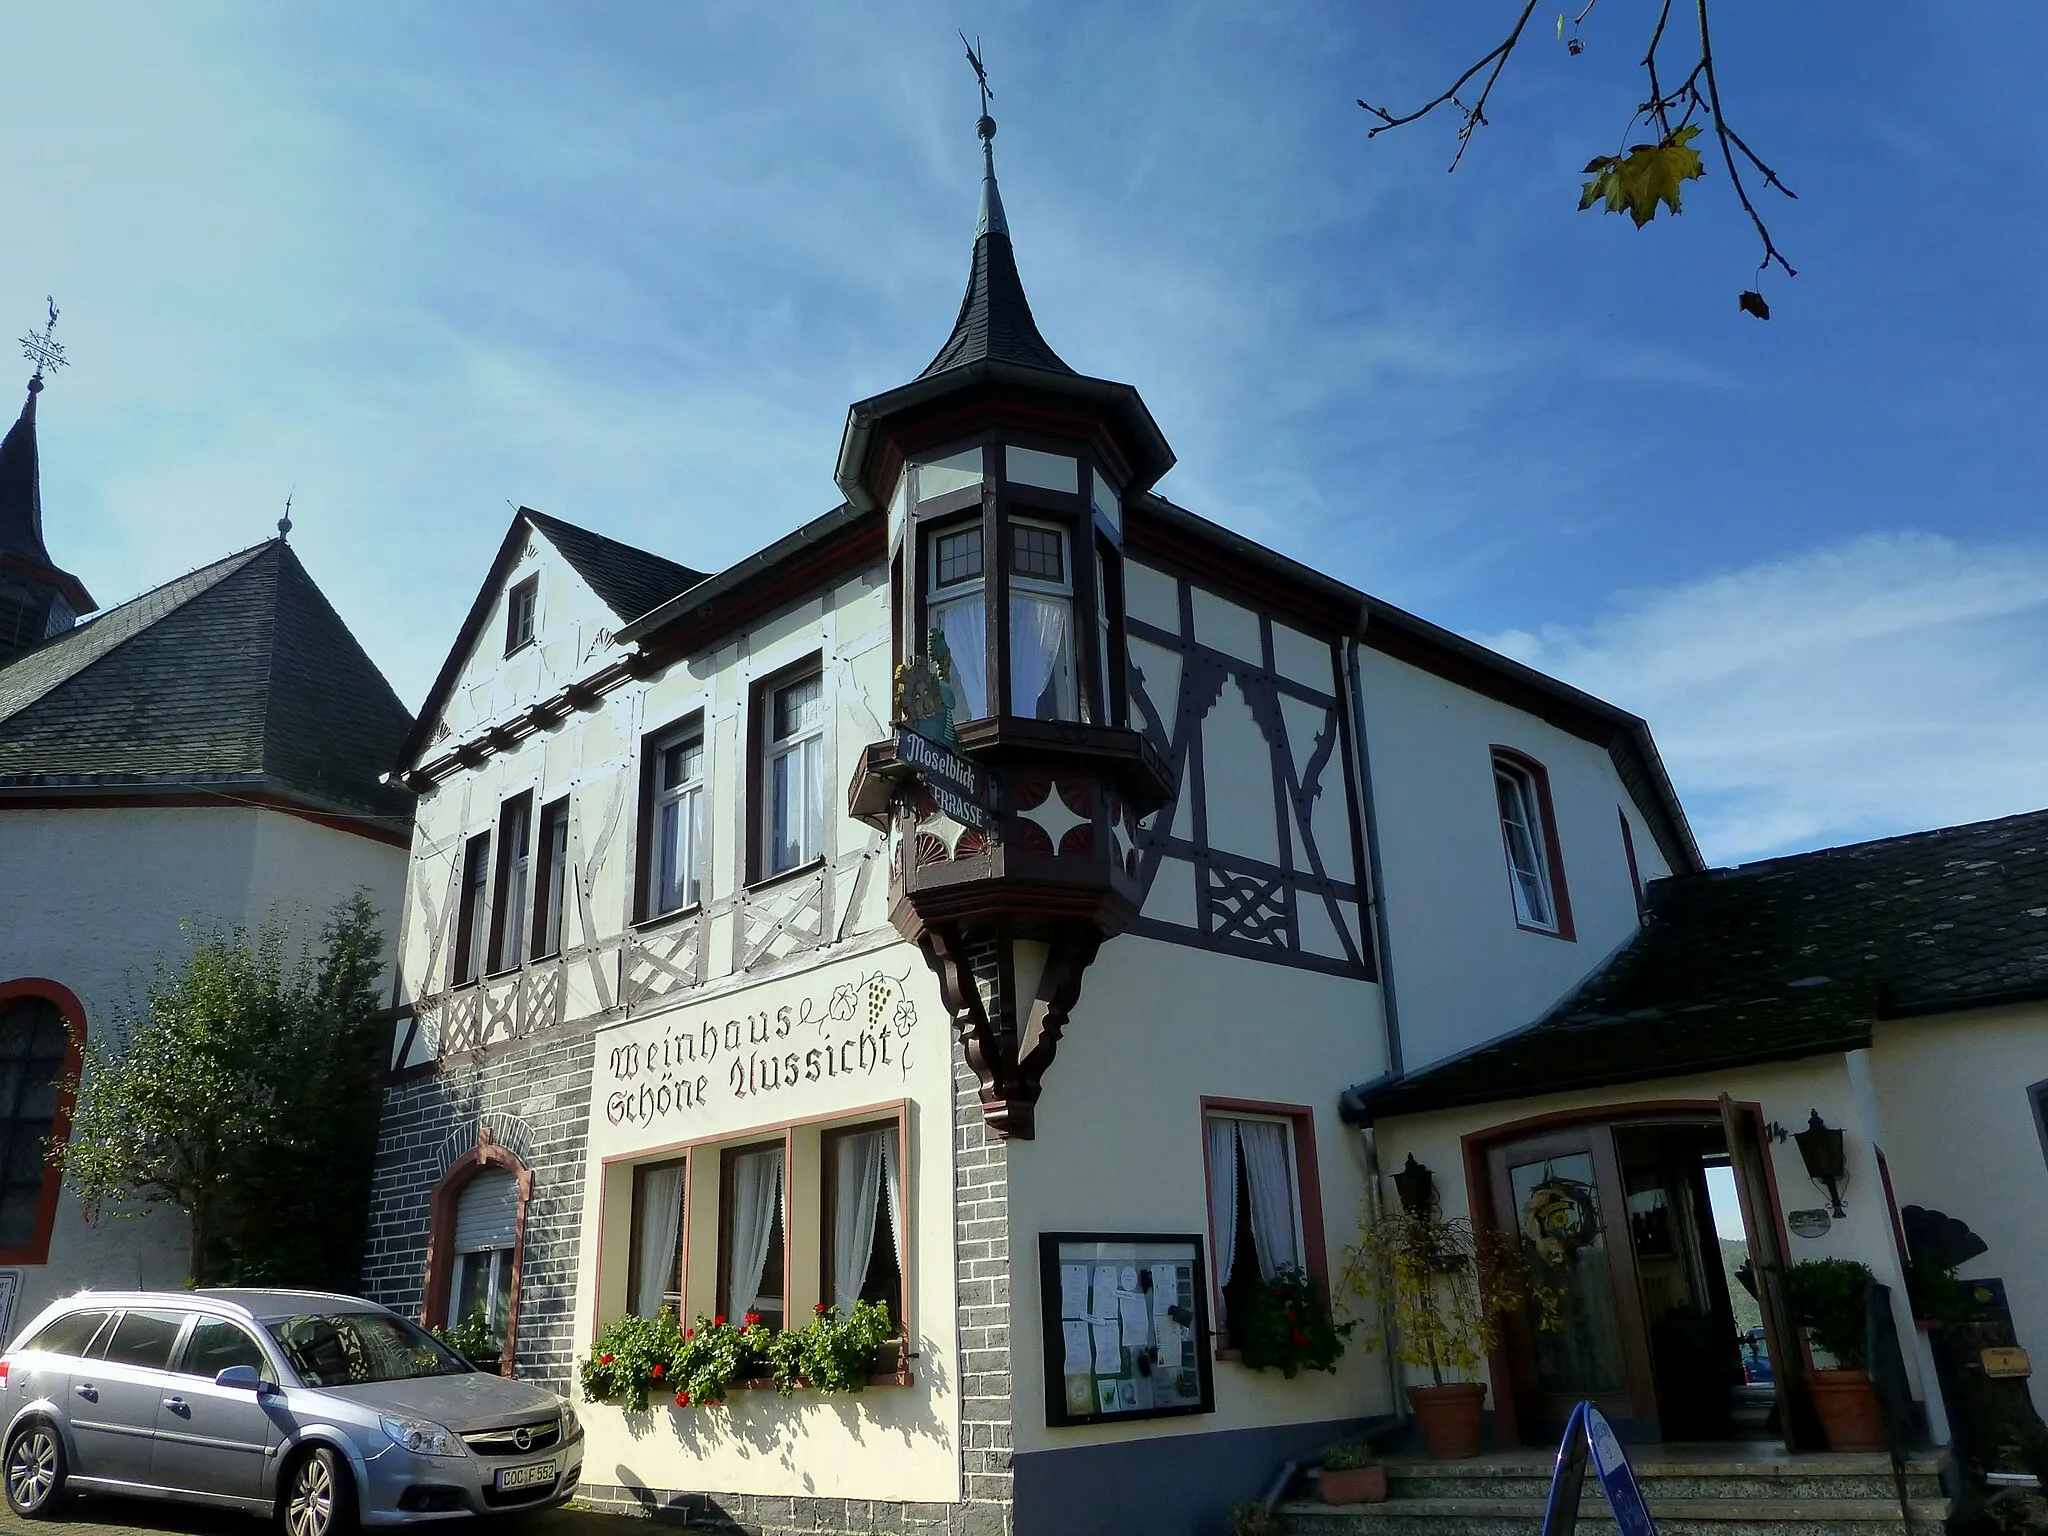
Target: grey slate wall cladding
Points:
(981, 1205)
(537, 1102)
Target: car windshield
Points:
(340, 1349)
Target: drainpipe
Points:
(1368, 1137)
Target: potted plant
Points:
(1827, 1299)
(1444, 1288)
(1352, 1474)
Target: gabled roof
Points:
(239, 675)
(1777, 960)
(627, 580)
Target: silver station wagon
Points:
(324, 1410)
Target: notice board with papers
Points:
(1126, 1326)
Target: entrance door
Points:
(1560, 1194)
(1767, 1257)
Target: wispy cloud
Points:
(1882, 685)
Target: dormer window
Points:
(520, 604)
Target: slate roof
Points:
(238, 675)
(629, 581)
(995, 321)
(21, 492)
(1781, 959)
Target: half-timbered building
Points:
(1018, 899)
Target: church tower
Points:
(37, 599)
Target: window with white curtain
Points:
(863, 1234)
(1254, 1200)
(1523, 834)
(1041, 623)
(515, 868)
(655, 1280)
(956, 607)
(752, 1272)
(794, 826)
(678, 822)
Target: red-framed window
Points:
(42, 1052)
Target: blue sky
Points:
(630, 263)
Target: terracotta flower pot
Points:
(1450, 1418)
(1354, 1485)
(1848, 1410)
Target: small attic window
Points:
(519, 609)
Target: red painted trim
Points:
(223, 799)
(37, 1249)
(1315, 1257)
(441, 1238)
(1560, 891)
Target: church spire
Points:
(37, 599)
(995, 321)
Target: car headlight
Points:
(420, 1436)
(571, 1427)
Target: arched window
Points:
(41, 1034)
(475, 1241)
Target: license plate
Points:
(540, 1475)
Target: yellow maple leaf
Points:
(1647, 175)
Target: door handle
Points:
(88, 1391)
(178, 1406)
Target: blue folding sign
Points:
(1587, 1432)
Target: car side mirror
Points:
(243, 1377)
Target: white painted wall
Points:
(1463, 971)
(1119, 1148)
(97, 897)
(1960, 1137)
(885, 1442)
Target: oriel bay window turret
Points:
(1005, 475)
(1014, 579)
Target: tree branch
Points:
(1723, 133)
(1475, 115)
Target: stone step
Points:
(1760, 1482)
(1674, 1517)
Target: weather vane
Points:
(284, 524)
(41, 350)
(986, 127)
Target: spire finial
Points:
(986, 126)
(991, 221)
(41, 350)
(284, 524)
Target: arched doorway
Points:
(476, 1243)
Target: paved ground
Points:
(136, 1517)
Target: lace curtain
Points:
(857, 1190)
(1271, 1182)
(1041, 665)
(964, 623)
(756, 1206)
(661, 1230)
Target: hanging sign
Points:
(1808, 1223)
(1588, 1432)
(2006, 1360)
(959, 786)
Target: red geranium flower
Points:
(750, 1320)
(682, 1399)
(1300, 1339)
(604, 1359)
(718, 1321)
(818, 1307)
(1291, 1317)
(656, 1373)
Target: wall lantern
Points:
(1417, 1188)
(1820, 1148)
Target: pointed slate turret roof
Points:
(21, 508)
(995, 318)
(237, 679)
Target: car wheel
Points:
(35, 1469)
(320, 1499)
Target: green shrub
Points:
(1827, 1300)
(471, 1338)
